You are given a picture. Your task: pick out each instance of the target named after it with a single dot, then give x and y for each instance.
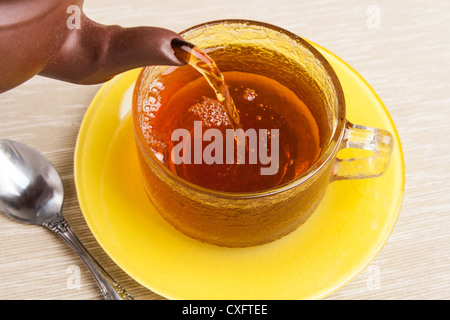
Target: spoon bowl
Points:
(31, 191)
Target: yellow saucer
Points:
(349, 228)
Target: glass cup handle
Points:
(379, 141)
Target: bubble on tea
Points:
(157, 85)
(210, 112)
(250, 94)
(153, 98)
(151, 103)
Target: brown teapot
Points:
(54, 38)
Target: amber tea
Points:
(281, 136)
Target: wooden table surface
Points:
(401, 48)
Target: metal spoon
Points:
(31, 192)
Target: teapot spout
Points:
(95, 53)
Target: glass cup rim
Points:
(337, 134)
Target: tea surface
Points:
(182, 99)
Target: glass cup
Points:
(253, 218)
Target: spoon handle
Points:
(110, 289)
